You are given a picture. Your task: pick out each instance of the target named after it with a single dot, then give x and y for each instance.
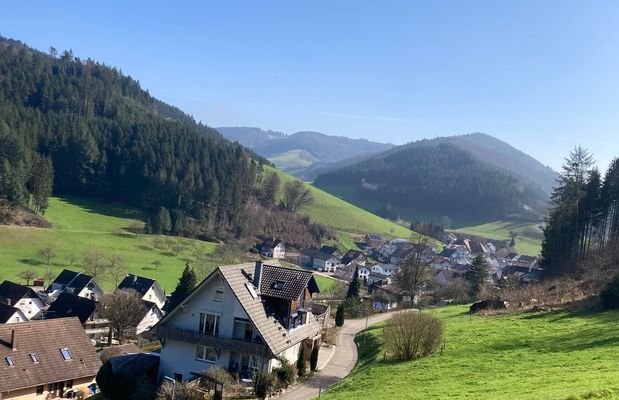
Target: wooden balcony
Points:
(164, 332)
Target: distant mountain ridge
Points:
(304, 154)
(469, 176)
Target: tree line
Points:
(583, 222)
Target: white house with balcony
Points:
(240, 318)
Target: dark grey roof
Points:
(511, 256)
(137, 283)
(71, 305)
(6, 312)
(270, 243)
(133, 365)
(73, 280)
(373, 236)
(527, 259)
(447, 252)
(285, 283)
(352, 255)
(14, 292)
(331, 250)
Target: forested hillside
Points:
(83, 128)
(435, 179)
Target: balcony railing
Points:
(173, 332)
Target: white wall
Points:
(30, 306)
(150, 319)
(155, 296)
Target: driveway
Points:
(342, 362)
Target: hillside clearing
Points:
(556, 355)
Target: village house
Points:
(151, 315)
(376, 278)
(355, 256)
(446, 276)
(76, 283)
(440, 263)
(241, 318)
(148, 288)
(330, 250)
(525, 261)
(46, 359)
(306, 257)
(385, 269)
(326, 263)
(21, 297)
(384, 298)
(373, 241)
(69, 305)
(273, 248)
(11, 315)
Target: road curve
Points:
(342, 362)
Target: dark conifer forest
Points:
(79, 127)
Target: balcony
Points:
(164, 332)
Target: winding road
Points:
(341, 363)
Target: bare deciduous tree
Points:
(296, 196)
(95, 264)
(124, 309)
(116, 268)
(47, 254)
(414, 272)
(27, 275)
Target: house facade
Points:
(76, 283)
(240, 318)
(149, 289)
(46, 359)
(273, 248)
(11, 315)
(22, 298)
(326, 263)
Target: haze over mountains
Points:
(304, 154)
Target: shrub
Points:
(314, 359)
(412, 335)
(339, 315)
(264, 384)
(285, 373)
(610, 295)
(329, 336)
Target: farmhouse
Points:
(76, 283)
(273, 248)
(373, 241)
(46, 359)
(68, 305)
(148, 288)
(21, 297)
(11, 315)
(240, 318)
(355, 256)
(326, 262)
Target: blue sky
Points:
(541, 75)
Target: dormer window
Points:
(278, 285)
(34, 358)
(9, 361)
(66, 354)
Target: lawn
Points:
(83, 225)
(529, 240)
(557, 355)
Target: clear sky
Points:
(542, 75)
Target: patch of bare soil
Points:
(20, 216)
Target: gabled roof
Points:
(331, 250)
(352, 255)
(14, 292)
(7, 312)
(527, 259)
(324, 256)
(74, 280)
(286, 283)
(71, 305)
(270, 243)
(137, 283)
(276, 337)
(374, 236)
(45, 338)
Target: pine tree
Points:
(186, 284)
(339, 315)
(476, 275)
(353, 288)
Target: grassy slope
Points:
(293, 159)
(528, 356)
(81, 225)
(529, 239)
(345, 217)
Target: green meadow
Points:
(529, 240)
(553, 355)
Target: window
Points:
(66, 354)
(209, 324)
(9, 361)
(206, 353)
(34, 358)
(219, 295)
(40, 390)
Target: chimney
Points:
(13, 339)
(135, 278)
(258, 274)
